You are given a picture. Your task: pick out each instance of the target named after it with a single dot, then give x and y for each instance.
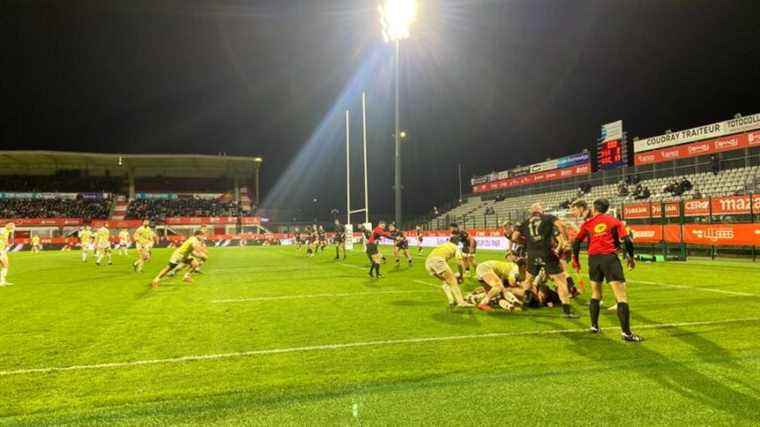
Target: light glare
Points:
(396, 17)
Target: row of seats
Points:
(472, 212)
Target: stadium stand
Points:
(55, 208)
(183, 207)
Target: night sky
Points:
(489, 84)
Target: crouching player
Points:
(493, 275)
(191, 252)
(437, 264)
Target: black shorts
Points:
(549, 261)
(403, 244)
(605, 267)
(371, 248)
(340, 239)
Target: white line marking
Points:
(422, 282)
(220, 356)
(719, 291)
(352, 266)
(333, 295)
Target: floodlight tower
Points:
(397, 17)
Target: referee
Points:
(604, 233)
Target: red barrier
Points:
(647, 233)
(54, 222)
(722, 234)
(637, 210)
(550, 175)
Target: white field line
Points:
(332, 295)
(717, 291)
(194, 358)
(422, 282)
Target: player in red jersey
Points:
(373, 253)
(604, 233)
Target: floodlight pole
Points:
(397, 180)
(348, 169)
(364, 131)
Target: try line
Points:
(194, 358)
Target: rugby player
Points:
(539, 234)
(85, 241)
(493, 275)
(604, 233)
(6, 239)
(418, 232)
(400, 245)
(144, 238)
(103, 244)
(469, 245)
(36, 245)
(437, 264)
(191, 252)
(373, 253)
(123, 241)
(340, 239)
(321, 239)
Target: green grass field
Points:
(268, 336)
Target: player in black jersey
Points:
(400, 245)
(468, 247)
(321, 239)
(340, 239)
(543, 245)
(418, 233)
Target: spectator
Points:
(715, 164)
(55, 208)
(697, 193)
(160, 209)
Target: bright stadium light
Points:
(396, 17)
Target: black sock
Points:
(566, 308)
(570, 283)
(593, 311)
(377, 269)
(371, 268)
(625, 317)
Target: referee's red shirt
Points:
(602, 232)
(377, 233)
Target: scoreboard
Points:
(612, 154)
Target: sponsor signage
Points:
(156, 196)
(551, 175)
(544, 166)
(573, 160)
(521, 171)
(672, 209)
(637, 210)
(722, 234)
(714, 130)
(647, 233)
(712, 146)
(735, 205)
(39, 196)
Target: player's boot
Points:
(154, 284)
(594, 329)
(631, 337)
(187, 279)
(485, 307)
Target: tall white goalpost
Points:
(365, 209)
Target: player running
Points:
(400, 245)
(493, 275)
(86, 241)
(373, 253)
(36, 245)
(340, 239)
(540, 238)
(6, 239)
(123, 242)
(604, 233)
(191, 252)
(144, 238)
(437, 264)
(103, 245)
(418, 234)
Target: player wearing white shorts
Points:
(493, 275)
(6, 237)
(103, 244)
(144, 238)
(86, 241)
(123, 242)
(437, 264)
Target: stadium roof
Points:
(171, 165)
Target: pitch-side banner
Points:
(722, 234)
(647, 233)
(713, 130)
(551, 175)
(52, 222)
(712, 146)
(637, 210)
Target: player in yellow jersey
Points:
(6, 239)
(36, 245)
(493, 275)
(144, 238)
(123, 241)
(191, 252)
(103, 244)
(85, 241)
(437, 264)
